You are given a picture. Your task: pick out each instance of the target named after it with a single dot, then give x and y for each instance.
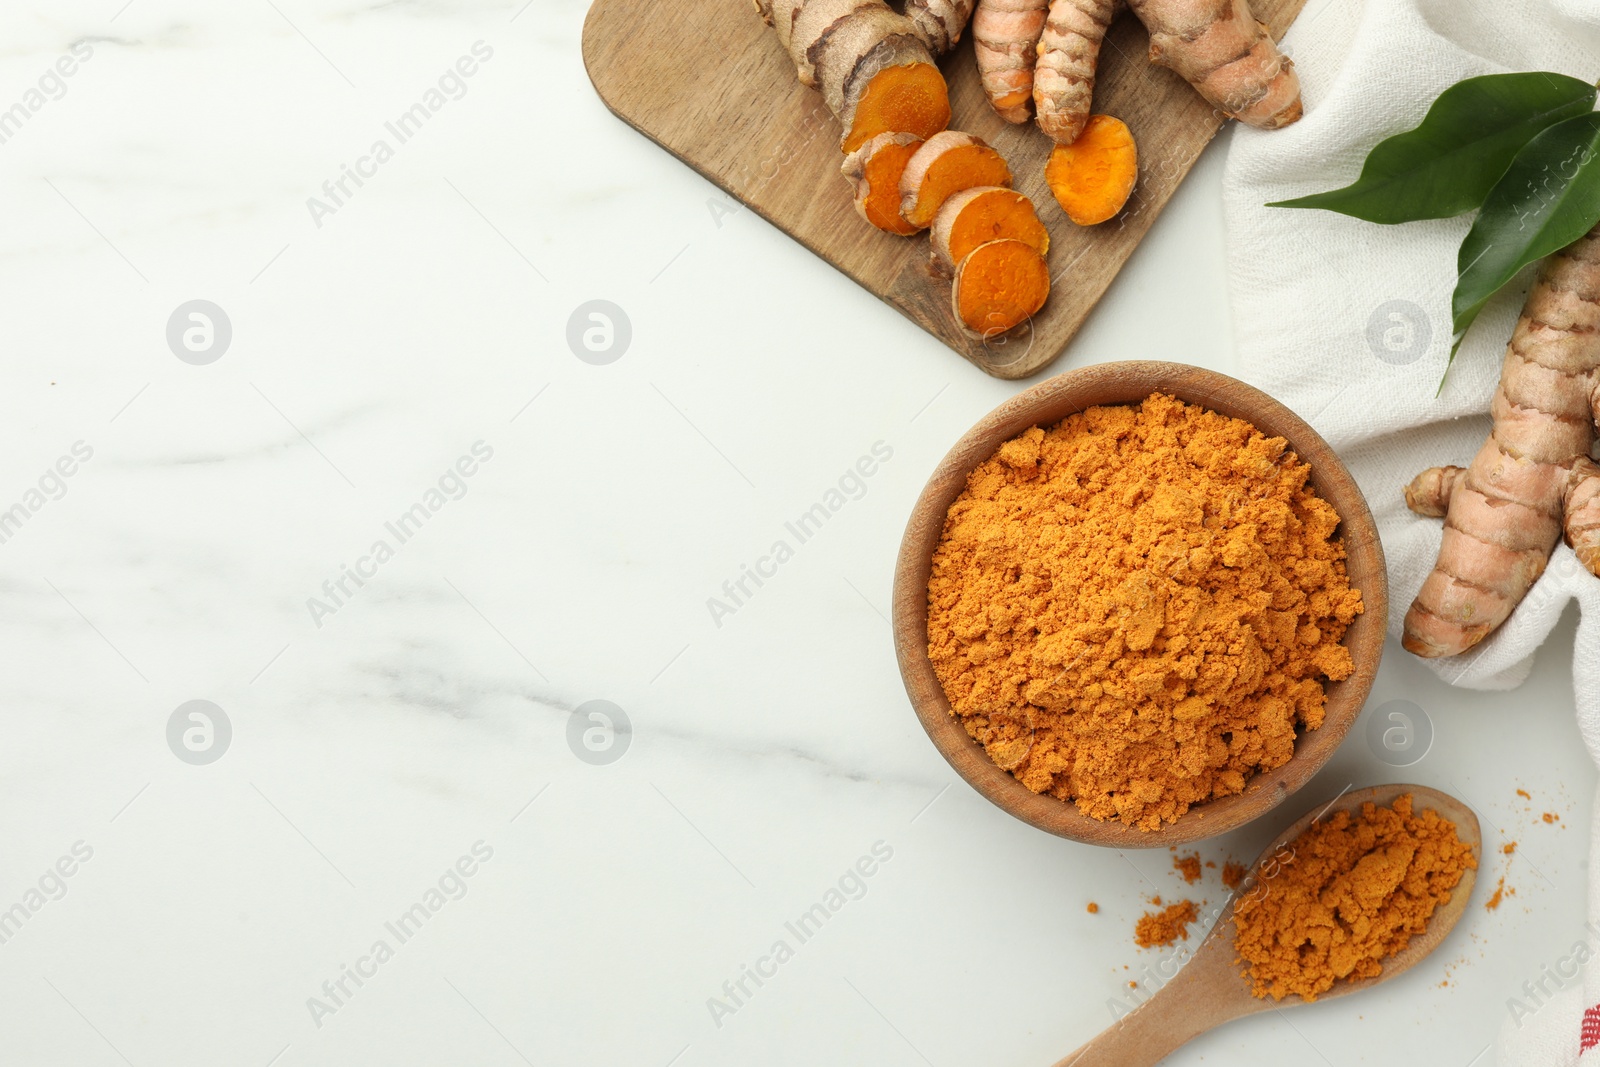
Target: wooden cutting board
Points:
(707, 80)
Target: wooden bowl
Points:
(1044, 405)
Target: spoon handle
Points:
(1204, 994)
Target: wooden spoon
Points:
(1211, 989)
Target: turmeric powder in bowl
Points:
(1134, 609)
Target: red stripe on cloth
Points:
(1591, 1030)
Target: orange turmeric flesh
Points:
(1000, 285)
(911, 98)
(1352, 892)
(1093, 176)
(988, 213)
(875, 168)
(946, 164)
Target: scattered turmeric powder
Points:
(1188, 866)
(1157, 928)
(1233, 873)
(1550, 817)
(1524, 794)
(1509, 847)
(1500, 892)
(1359, 888)
(1094, 909)
(1134, 609)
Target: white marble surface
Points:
(430, 711)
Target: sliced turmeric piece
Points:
(999, 285)
(874, 169)
(891, 88)
(988, 213)
(874, 67)
(947, 163)
(1093, 176)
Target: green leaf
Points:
(1548, 198)
(1449, 163)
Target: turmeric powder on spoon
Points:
(1135, 609)
(1352, 892)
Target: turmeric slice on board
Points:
(947, 163)
(875, 169)
(876, 74)
(988, 213)
(908, 98)
(999, 285)
(1093, 176)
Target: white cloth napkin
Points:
(1348, 323)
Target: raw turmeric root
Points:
(1093, 176)
(1218, 47)
(939, 22)
(999, 285)
(1581, 502)
(1215, 45)
(1429, 492)
(1069, 49)
(976, 216)
(1005, 38)
(947, 163)
(876, 73)
(875, 169)
(1504, 513)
